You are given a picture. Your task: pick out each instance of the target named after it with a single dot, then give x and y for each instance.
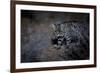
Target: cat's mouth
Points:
(58, 41)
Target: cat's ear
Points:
(53, 27)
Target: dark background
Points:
(36, 34)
